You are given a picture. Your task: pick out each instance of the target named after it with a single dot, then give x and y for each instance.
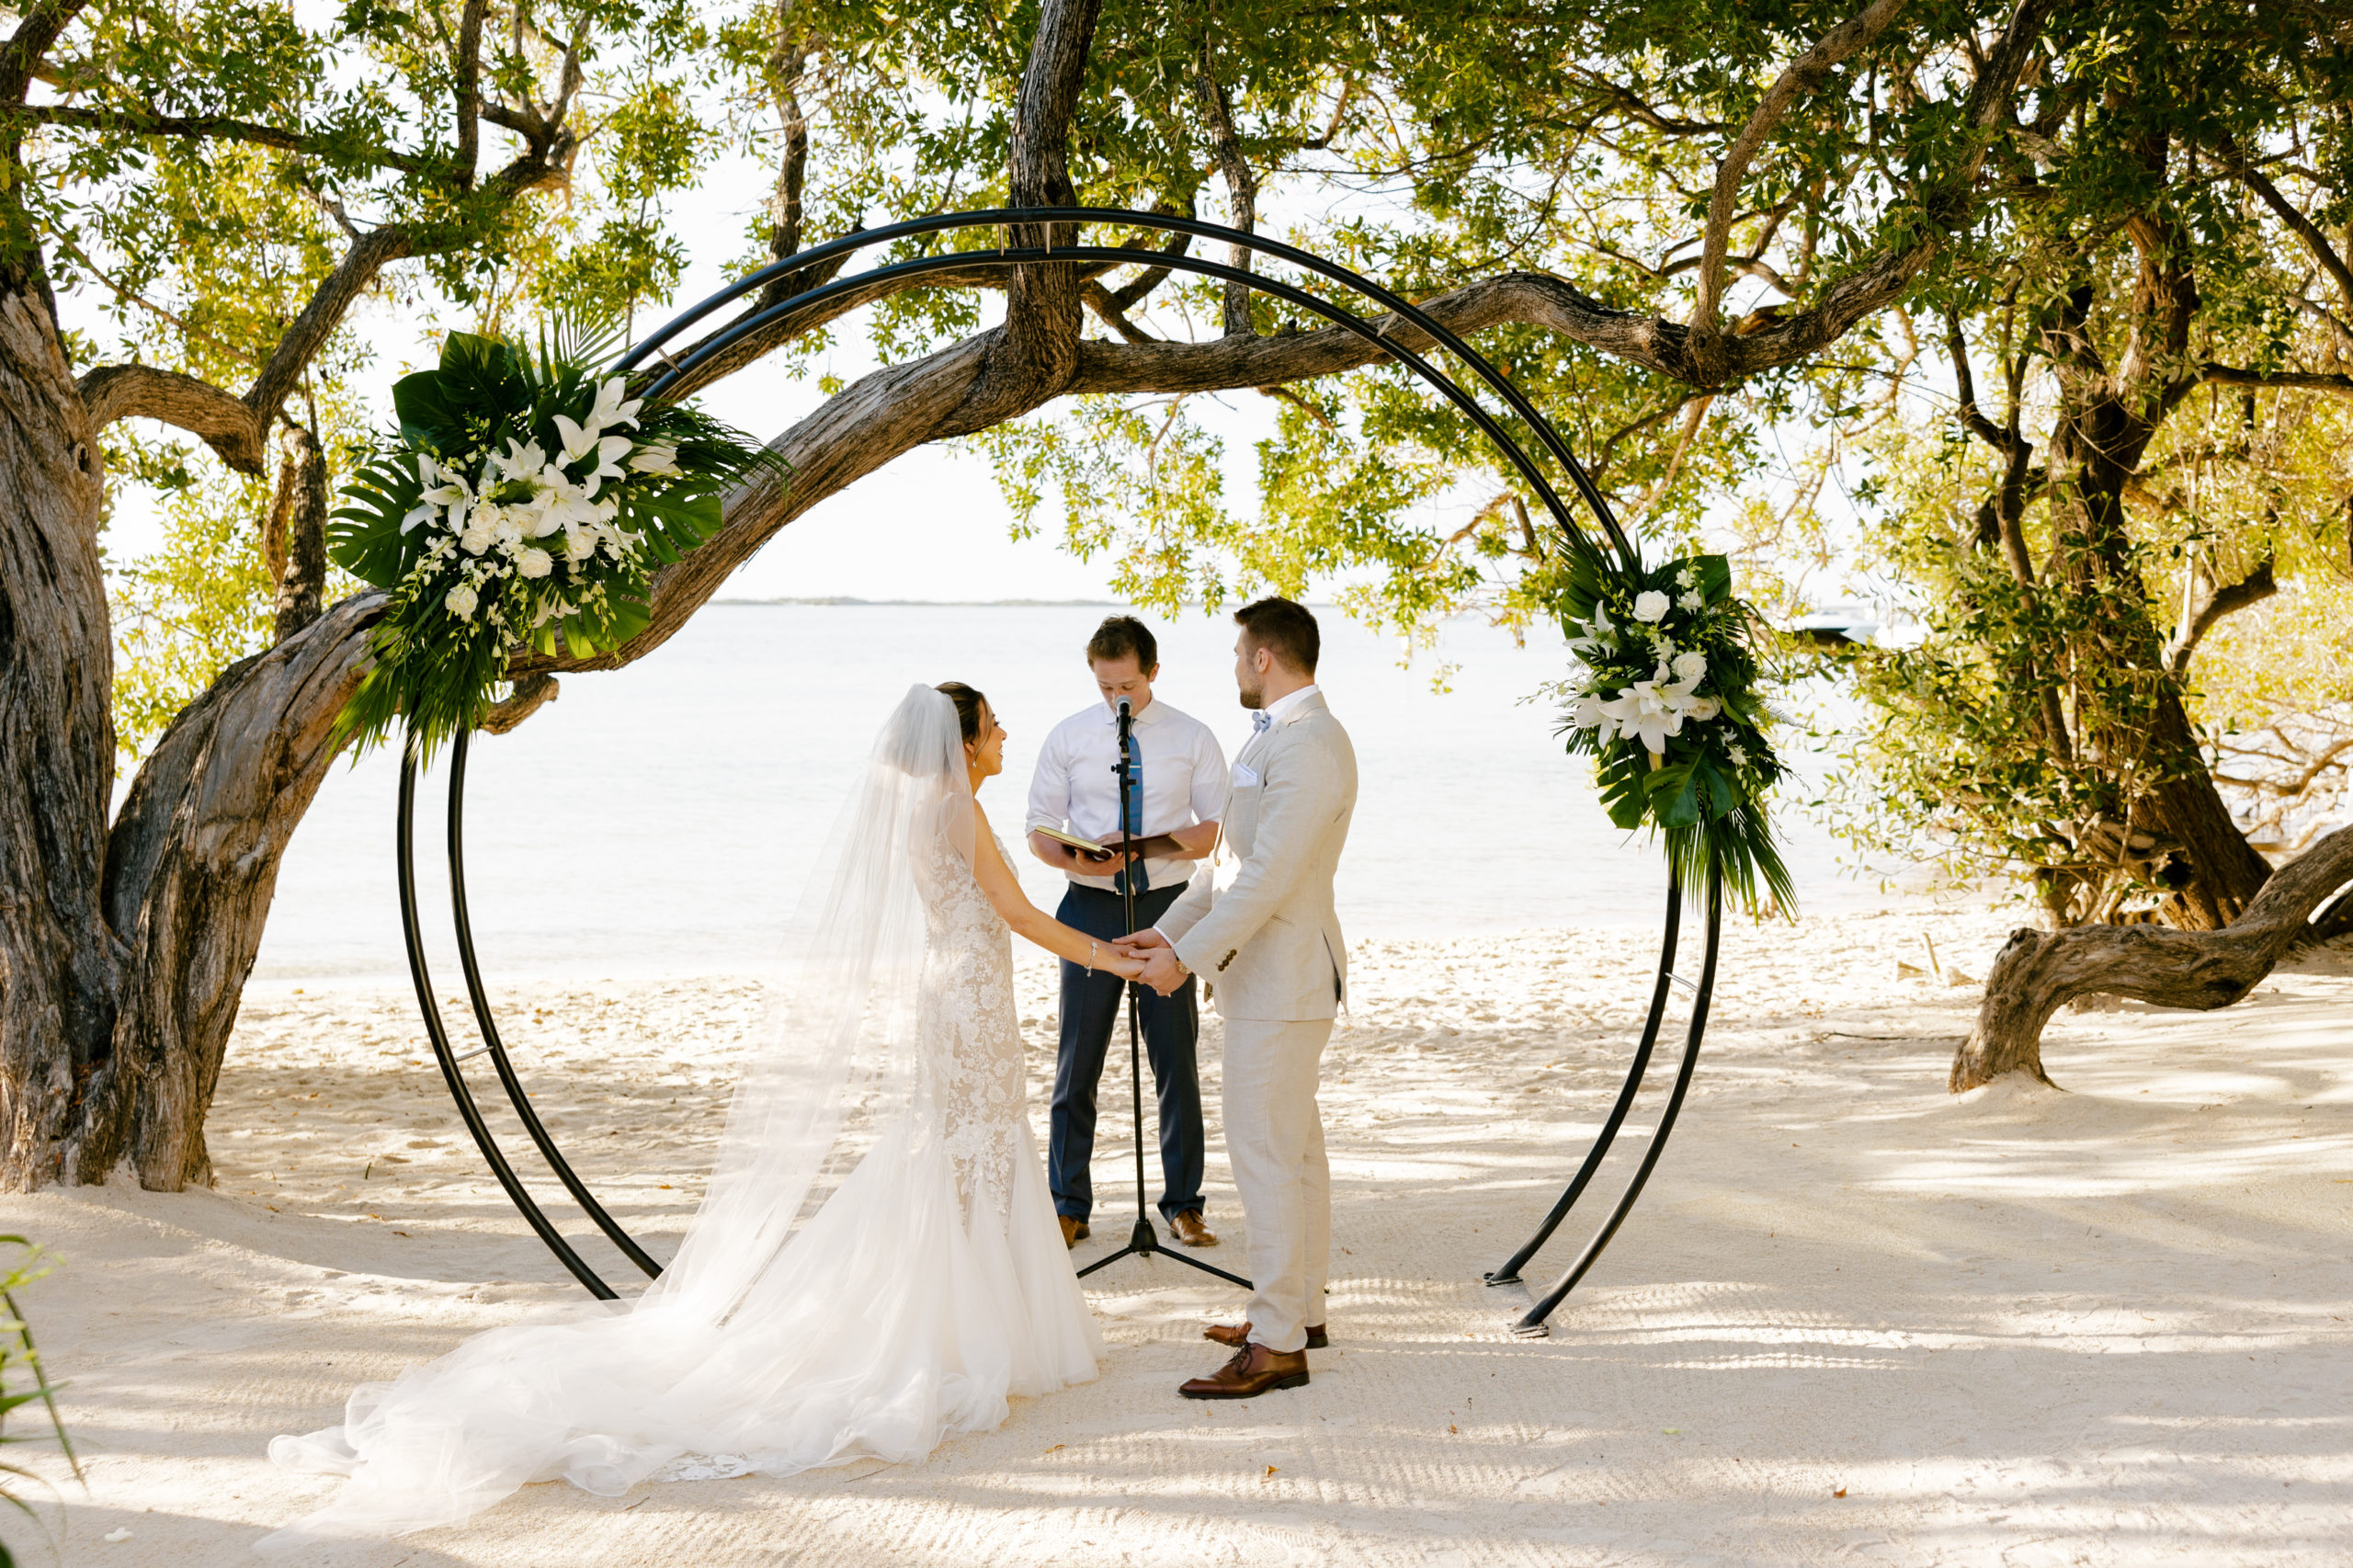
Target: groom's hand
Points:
(1161, 969)
(1137, 941)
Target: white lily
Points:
(609, 409)
(578, 440)
(1648, 710)
(1643, 718)
(607, 452)
(660, 461)
(1679, 697)
(1601, 636)
(522, 460)
(1589, 713)
(445, 488)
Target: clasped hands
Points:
(1161, 970)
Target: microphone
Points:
(1127, 717)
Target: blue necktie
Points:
(1260, 720)
(1138, 878)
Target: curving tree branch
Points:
(1801, 76)
(227, 425)
(213, 127)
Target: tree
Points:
(262, 178)
(1845, 162)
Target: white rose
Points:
(1651, 606)
(461, 602)
(1689, 667)
(534, 563)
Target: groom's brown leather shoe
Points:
(1191, 1231)
(1073, 1231)
(1253, 1372)
(1238, 1335)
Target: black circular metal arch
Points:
(672, 372)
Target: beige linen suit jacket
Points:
(1268, 943)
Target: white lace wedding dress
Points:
(875, 1268)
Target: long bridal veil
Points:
(833, 1297)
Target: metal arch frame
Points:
(672, 372)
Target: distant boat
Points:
(1840, 626)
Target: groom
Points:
(1270, 946)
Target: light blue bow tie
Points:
(1260, 720)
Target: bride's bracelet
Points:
(1090, 958)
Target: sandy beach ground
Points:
(1855, 1319)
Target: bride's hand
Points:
(1120, 963)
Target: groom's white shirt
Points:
(1262, 930)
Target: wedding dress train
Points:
(875, 1268)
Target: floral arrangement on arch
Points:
(1666, 701)
(525, 502)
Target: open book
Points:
(1086, 846)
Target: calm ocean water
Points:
(660, 819)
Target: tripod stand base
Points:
(1144, 1242)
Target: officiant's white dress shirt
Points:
(1076, 787)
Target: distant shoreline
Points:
(846, 601)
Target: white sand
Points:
(2017, 1326)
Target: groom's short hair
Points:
(1285, 627)
(1125, 637)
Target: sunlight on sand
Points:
(1854, 1318)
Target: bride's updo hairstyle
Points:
(968, 707)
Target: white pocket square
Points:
(1245, 776)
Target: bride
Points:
(875, 1267)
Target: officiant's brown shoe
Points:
(1191, 1231)
(1073, 1231)
(1253, 1372)
(1238, 1335)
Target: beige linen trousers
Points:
(1267, 943)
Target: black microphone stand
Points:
(1143, 1240)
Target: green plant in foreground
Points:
(17, 1350)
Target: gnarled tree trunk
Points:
(61, 966)
(191, 866)
(2037, 973)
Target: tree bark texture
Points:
(301, 569)
(60, 964)
(2038, 972)
(2105, 423)
(191, 869)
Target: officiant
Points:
(1176, 791)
